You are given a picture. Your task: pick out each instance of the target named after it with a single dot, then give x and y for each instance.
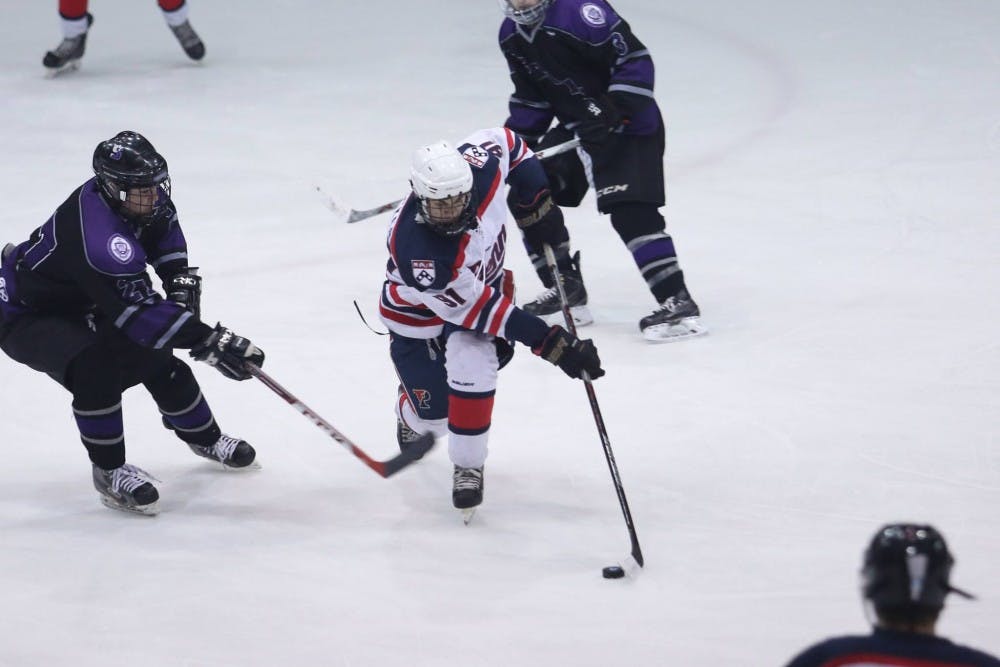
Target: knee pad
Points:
(632, 220)
(471, 362)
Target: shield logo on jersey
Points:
(476, 156)
(593, 15)
(423, 271)
(120, 248)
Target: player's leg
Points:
(422, 396)
(175, 12)
(75, 22)
(75, 356)
(568, 183)
(472, 365)
(630, 187)
(179, 398)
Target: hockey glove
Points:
(601, 119)
(572, 355)
(541, 220)
(184, 288)
(228, 353)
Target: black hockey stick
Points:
(384, 468)
(353, 215)
(550, 259)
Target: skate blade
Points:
(151, 509)
(581, 316)
(71, 66)
(467, 514)
(671, 333)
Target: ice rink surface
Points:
(833, 174)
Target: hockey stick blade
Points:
(386, 468)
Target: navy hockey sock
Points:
(93, 378)
(643, 230)
(185, 411)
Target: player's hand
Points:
(228, 353)
(184, 288)
(574, 356)
(601, 119)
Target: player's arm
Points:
(167, 251)
(632, 71)
(529, 113)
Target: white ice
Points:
(833, 173)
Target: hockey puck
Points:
(613, 572)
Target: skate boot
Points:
(67, 55)
(231, 452)
(127, 488)
(406, 437)
(189, 39)
(547, 305)
(467, 492)
(676, 318)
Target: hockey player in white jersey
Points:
(448, 301)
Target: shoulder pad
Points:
(109, 244)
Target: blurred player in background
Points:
(76, 22)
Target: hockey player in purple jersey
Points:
(77, 304)
(905, 578)
(448, 301)
(577, 62)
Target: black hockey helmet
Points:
(128, 162)
(907, 568)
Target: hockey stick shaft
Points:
(355, 215)
(550, 259)
(383, 468)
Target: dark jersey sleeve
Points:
(530, 113)
(166, 247)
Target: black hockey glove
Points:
(184, 288)
(228, 353)
(601, 119)
(541, 220)
(572, 355)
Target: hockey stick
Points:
(353, 215)
(383, 468)
(550, 259)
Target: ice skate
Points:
(128, 489)
(678, 317)
(189, 40)
(233, 453)
(66, 56)
(467, 492)
(406, 436)
(547, 305)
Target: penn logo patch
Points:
(593, 14)
(120, 249)
(476, 156)
(423, 271)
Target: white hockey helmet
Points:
(442, 181)
(525, 12)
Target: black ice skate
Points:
(676, 318)
(547, 305)
(128, 488)
(467, 490)
(67, 55)
(231, 452)
(189, 39)
(406, 437)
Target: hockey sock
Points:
(93, 377)
(469, 418)
(174, 11)
(643, 230)
(182, 405)
(74, 27)
(563, 261)
(71, 10)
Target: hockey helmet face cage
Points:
(133, 177)
(907, 568)
(442, 182)
(525, 12)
